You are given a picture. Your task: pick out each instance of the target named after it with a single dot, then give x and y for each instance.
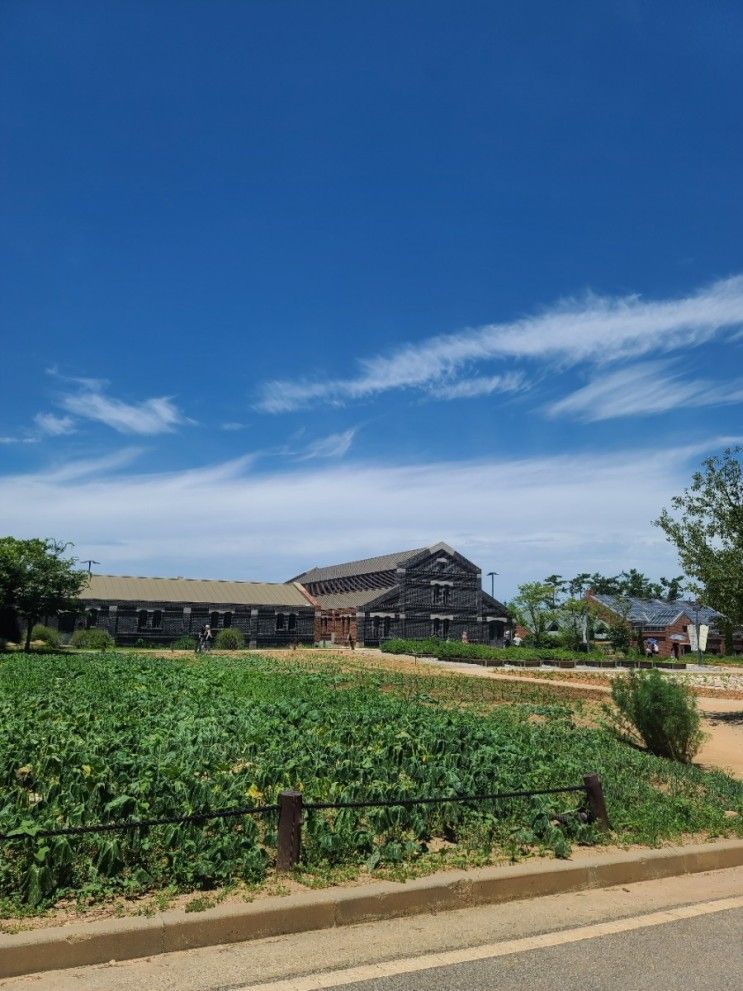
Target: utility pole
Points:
(491, 576)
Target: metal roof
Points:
(351, 600)
(125, 588)
(657, 612)
(368, 565)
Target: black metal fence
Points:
(292, 806)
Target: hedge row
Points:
(446, 649)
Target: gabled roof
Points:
(125, 588)
(656, 613)
(493, 607)
(366, 566)
(352, 600)
(370, 565)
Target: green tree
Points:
(557, 583)
(532, 608)
(706, 525)
(36, 580)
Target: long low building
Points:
(428, 591)
(160, 610)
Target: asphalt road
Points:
(677, 934)
(702, 954)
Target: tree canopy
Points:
(36, 580)
(705, 523)
(632, 583)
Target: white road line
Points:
(392, 968)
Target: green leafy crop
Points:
(107, 737)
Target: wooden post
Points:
(596, 803)
(290, 830)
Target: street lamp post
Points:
(491, 576)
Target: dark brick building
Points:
(160, 610)
(429, 591)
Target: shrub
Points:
(229, 639)
(46, 634)
(659, 712)
(620, 637)
(92, 639)
(186, 642)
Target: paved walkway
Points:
(681, 932)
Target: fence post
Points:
(596, 803)
(290, 830)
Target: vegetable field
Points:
(87, 739)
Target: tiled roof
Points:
(366, 566)
(657, 612)
(351, 600)
(123, 588)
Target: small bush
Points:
(660, 713)
(46, 634)
(187, 642)
(92, 639)
(229, 639)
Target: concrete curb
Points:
(124, 939)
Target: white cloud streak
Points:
(522, 518)
(471, 388)
(152, 416)
(595, 329)
(332, 446)
(53, 425)
(644, 388)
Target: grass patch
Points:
(105, 737)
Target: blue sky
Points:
(288, 282)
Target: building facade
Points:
(160, 610)
(428, 591)
(666, 622)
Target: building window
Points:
(445, 595)
(142, 619)
(324, 625)
(436, 589)
(386, 626)
(227, 620)
(445, 628)
(375, 627)
(157, 619)
(280, 621)
(292, 622)
(214, 620)
(436, 627)
(91, 618)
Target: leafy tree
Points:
(574, 617)
(672, 588)
(532, 608)
(557, 583)
(578, 585)
(706, 525)
(36, 580)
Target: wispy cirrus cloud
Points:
(53, 425)
(152, 416)
(332, 446)
(644, 388)
(483, 385)
(257, 527)
(594, 329)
